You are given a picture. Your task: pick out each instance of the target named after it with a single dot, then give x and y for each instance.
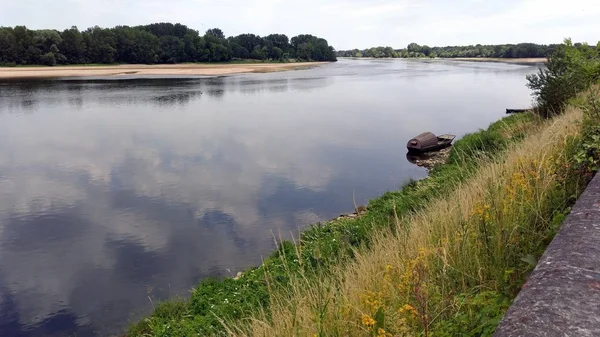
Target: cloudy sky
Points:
(345, 23)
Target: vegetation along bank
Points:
(149, 44)
(414, 50)
(443, 256)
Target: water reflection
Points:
(112, 192)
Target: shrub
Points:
(570, 69)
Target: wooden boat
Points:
(515, 111)
(427, 142)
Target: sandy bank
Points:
(155, 69)
(531, 60)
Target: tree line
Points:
(521, 50)
(153, 43)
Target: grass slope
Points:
(451, 267)
(324, 246)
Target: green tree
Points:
(413, 48)
(157, 42)
(216, 32)
(171, 49)
(100, 45)
(569, 70)
(276, 53)
(72, 46)
(259, 53)
(8, 47)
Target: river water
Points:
(116, 194)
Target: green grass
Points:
(324, 245)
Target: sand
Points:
(156, 69)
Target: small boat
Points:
(427, 142)
(516, 111)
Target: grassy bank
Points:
(323, 247)
(453, 267)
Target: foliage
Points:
(570, 69)
(154, 43)
(415, 50)
(479, 315)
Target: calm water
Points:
(114, 192)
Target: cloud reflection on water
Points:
(113, 191)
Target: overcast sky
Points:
(345, 24)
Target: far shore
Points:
(117, 71)
(530, 60)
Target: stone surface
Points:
(562, 295)
(430, 159)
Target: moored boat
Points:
(427, 142)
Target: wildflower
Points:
(382, 333)
(368, 320)
(407, 308)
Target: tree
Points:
(426, 50)
(216, 32)
(8, 47)
(171, 49)
(569, 70)
(280, 41)
(157, 42)
(100, 45)
(72, 46)
(259, 53)
(276, 53)
(413, 48)
(48, 59)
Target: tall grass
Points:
(449, 268)
(322, 247)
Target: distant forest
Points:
(415, 50)
(154, 43)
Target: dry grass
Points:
(414, 278)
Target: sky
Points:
(346, 24)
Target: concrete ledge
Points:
(562, 295)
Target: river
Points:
(115, 194)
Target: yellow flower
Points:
(382, 333)
(407, 308)
(368, 320)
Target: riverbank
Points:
(528, 61)
(323, 248)
(187, 69)
(453, 266)
(532, 60)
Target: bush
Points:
(570, 69)
(48, 59)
